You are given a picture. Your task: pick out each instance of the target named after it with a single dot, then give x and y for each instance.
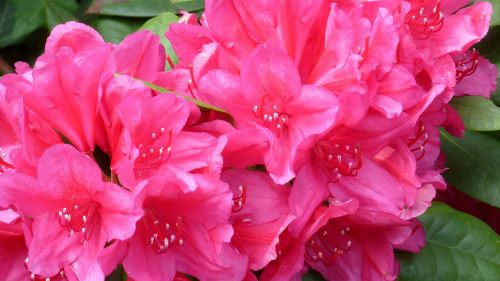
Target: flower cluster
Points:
(316, 144)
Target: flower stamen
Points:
(339, 159)
(466, 64)
(423, 21)
(159, 234)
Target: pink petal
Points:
(269, 71)
(118, 212)
(461, 30)
(139, 55)
(309, 190)
(52, 247)
(142, 263)
(62, 166)
(77, 36)
(480, 83)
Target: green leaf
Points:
(19, 18)
(474, 165)
(131, 8)
(189, 5)
(459, 247)
(7, 21)
(162, 90)
(59, 11)
(495, 97)
(478, 113)
(198, 103)
(115, 29)
(495, 18)
(159, 25)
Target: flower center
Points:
(328, 243)
(160, 234)
(424, 19)
(239, 199)
(155, 152)
(81, 215)
(418, 141)
(466, 64)
(339, 159)
(272, 115)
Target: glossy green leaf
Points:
(495, 18)
(159, 25)
(474, 165)
(7, 21)
(198, 103)
(459, 247)
(478, 113)
(162, 90)
(495, 97)
(59, 11)
(189, 5)
(19, 18)
(114, 29)
(131, 8)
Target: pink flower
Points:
(292, 250)
(15, 236)
(341, 243)
(83, 212)
(260, 214)
(153, 142)
(365, 238)
(185, 231)
(139, 57)
(24, 134)
(66, 79)
(438, 32)
(269, 96)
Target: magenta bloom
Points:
(65, 82)
(185, 231)
(269, 96)
(260, 214)
(74, 212)
(340, 242)
(25, 135)
(153, 141)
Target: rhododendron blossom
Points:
(290, 135)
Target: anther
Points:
(422, 21)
